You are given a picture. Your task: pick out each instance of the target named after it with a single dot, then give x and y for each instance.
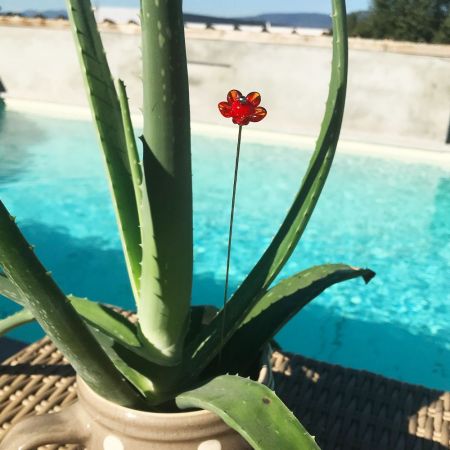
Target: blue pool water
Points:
(391, 216)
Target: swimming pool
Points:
(387, 214)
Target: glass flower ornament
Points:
(242, 109)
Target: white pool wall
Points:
(398, 93)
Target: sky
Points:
(228, 8)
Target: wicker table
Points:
(346, 409)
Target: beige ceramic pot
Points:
(98, 424)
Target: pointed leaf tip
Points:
(367, 275)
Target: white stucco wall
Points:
(392, 97)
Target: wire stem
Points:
(230, 237)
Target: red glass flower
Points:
(242, 110)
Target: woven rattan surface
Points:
(345, 409)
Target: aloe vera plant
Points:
(175, 352)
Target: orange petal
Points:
(225, 109)
(259, 114)
(233, 95)
(254, 98)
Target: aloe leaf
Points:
(15, 320)
(94, 313)
(154, 382)
(157, 383)
(133, 156)
(136, 364)
(122, 358)
(253, 410)
(107, 320)
(51, 308)
(166, 281)
(200, 317)
(279, 305)
(206, 346)
(119, 339)
(107, 115)
(9, 290)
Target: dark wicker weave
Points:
(346, 409)
(356, 410)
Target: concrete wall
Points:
(394, 97)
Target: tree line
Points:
(403, 20)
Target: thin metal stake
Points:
(230, 236)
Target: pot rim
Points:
(159, 427)
(88, 395)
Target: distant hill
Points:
(304, 20)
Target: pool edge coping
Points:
(438, 155)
